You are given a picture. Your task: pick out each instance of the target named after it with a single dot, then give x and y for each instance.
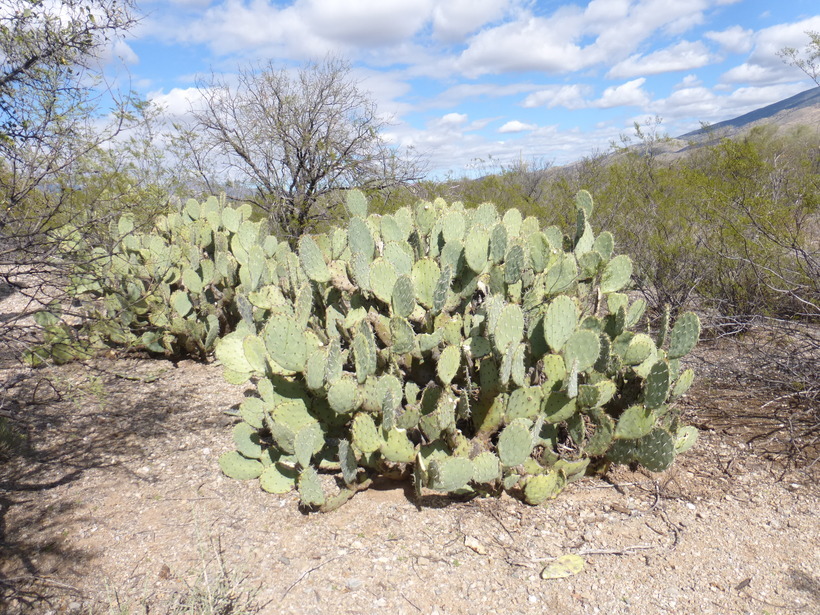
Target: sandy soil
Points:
(117, 505)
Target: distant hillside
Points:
(803, 108)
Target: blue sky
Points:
(468, 80)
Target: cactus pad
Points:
(515, 443)
(684, 335)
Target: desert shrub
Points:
(475, 351)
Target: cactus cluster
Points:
(176, 288)
(474, 351)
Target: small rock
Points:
(354, 584)
(690, 506)
(532, 599)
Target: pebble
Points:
(354, 584)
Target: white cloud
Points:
(685, 55)
(569, 96)
(628, 94)
(178, 102)
(734, 40)
(516, 126)
(458, 94)
(531, 44)
(763, 66)
(689, 81)
(364, 22)
(454, 19)
(452, 119)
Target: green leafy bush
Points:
(478, 352)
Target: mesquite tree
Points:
(289, 139)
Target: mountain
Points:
(800, 109)
(803, 108)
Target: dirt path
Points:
(118, 506)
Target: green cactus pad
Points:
(356, 203)
(639, 349)
(587, 396)
(425, 216)
(312, 260)
(453, 226)
(238, 467)
(192, 281)
(525, 402)
(486, 468)
(403, 296)
(347, 462)
(684, 335)
(181, 303)
(635, 422)
(685, 439)
(390, 229)
(360, 240)
(512, 221)
(343, 396)
(397, 447)
(538, 489)
(255, 353)
(515, 443)
(561, 275)
(364, 351)
(310, 488)
(583, 200)
(683, 383)
(315, 370)
(583, 346)
(656, 450)
(449, 473)
(246, 439)
(498, 243)
(307, 442)
(509, 328)
(448, 364)
(622, 451)
(635, 311)
(506, 365)
(656, 388)
(476, 249)
(231, 353)
(616, 274)
(425, 276)
(285, 342)
(365, 436)
(278, 478)
(514, 263)
(558, 406)
(402, 336)
(252, 411)
(383, 278)
(604, 245)
(560, 321)
(518, 371)
(601, 439)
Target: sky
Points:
(475, 83)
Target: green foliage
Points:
(469, 350)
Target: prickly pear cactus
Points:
(474, 352)
(177, 287)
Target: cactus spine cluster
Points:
(473, 351)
